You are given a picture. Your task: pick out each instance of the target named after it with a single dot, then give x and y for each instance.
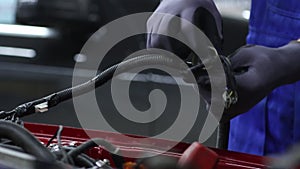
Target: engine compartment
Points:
(72, 138)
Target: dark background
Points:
(24, 79)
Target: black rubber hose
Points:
(92, 143)
(223, 135)
(81, 161)
(88, 158)
(82, 154)
(118, 160)
(22, 138)
(12, 147)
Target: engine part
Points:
(21, 137)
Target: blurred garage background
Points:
(40, 41)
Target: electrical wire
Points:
(65, 156)
(43, 104)
(52, 138)
(56, 98)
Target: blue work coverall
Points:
(273, 125)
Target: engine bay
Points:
(89, 155)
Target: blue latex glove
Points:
(202, 13)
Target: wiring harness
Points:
(14, 136)
(42, 105)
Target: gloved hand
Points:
(202, 13)
(258, 70)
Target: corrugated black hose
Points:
(149, 59)
(56, 98)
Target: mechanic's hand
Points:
(257, 70)
(256, 75)
(202, 13)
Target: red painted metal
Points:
(226, 159)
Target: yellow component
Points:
(129, 165)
